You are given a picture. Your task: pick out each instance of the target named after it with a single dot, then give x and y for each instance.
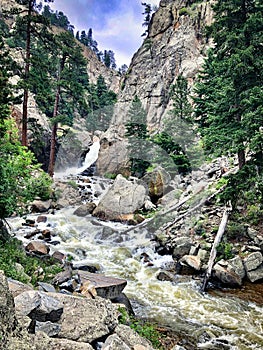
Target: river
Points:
(214, 321)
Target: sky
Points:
(116, 24)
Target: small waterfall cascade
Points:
(87, 167)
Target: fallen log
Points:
(218, 237)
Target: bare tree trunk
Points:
(52, 155)
(26, 78)
(213, 252)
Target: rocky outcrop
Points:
(174, 45)
(121, 200)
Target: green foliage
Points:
(177, 160)
(101, 102)
(12, 252)
(224, 250)
(137, 134)
(185, 11)
(229, 94)
(144, 329)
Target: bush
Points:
(12, 252)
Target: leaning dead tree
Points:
(218, 237)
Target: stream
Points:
(214, 321)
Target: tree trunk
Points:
(52, 155)
(213, 252)
(241, 158)
(26, 78)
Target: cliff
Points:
(175, 44)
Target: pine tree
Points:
(29, 22)
(21, 179)
(137, 134)
(229, 95)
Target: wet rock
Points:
(182, 246)
(192, 261)
(225, 275)
(106, 286)
(253, 261)
(255, 275)
(38, 306)
(85, 209)
(58, 256)
(157, 180)
(122, 198)
(37, 247)
(165, 276)
(39, 206)
(41, 218)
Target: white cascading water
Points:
(90, 158)
(211, 320)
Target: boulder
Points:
(8, 320)
(38, 306)
(255, 275)
(113, 342)
(85, 209)
(236, 265)
(86, 320)
(225, 275)
(17, 287)
(39, 206)
(157, 180)
(192, 261)
(122, 199)
(37, 247)
(43, 342)
(131, 338)
(182, 246)
(106, 286)
(253, 261)
(50, 328)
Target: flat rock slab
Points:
(106, 286)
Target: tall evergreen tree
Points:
(31, 23)
(229, 90)
(18, 184)
(137, 134)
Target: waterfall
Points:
(90, 158)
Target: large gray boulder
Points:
(226, 276)
(38, 306)
(121, 200)
(86, 320)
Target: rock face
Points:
(174, 45)
(121, 200)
